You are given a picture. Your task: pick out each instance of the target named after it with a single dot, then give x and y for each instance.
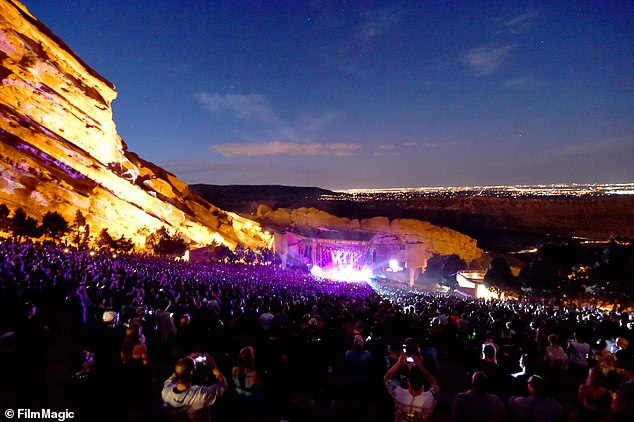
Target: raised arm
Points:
(394, 369)
(216, 371)
(430, 378)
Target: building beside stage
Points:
(471, 283)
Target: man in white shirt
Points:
(413, 403)
(185, 401)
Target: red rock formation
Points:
(436, 240)
(59, 148)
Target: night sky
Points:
(362, 94)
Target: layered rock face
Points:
(435, 239)
(60, 151)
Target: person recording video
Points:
(183, 399)
(413, 403)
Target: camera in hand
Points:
(409, 351)
(202, 372)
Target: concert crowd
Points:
(142, 338)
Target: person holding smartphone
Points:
(185, 401)
(411, 350)
(412, 403)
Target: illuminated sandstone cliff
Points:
(60, 150)
(435, 239)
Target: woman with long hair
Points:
(246, 380)
(133, 347)
(594, 397)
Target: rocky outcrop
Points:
(59, 148)
(436, 240)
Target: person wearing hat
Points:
(185, 401)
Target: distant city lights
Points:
(502, 191)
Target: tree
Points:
(220, 252)
(499, 277)
(615, 266)
(5, 221)
(22, 225)
(104, 240)
(551, 266)
(123, 245)
(451, 265)
(162, 243)
(54, 225)
(79, 220)
(81, 230)
(433, 271)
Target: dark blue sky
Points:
(344, 94)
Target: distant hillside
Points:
(497, 223)
(245, 199)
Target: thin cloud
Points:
(285, 148)
(486, 60)
(315, 123)
(376, 23)
(392, 150)
(346, 56)
(439, 144)
(257, 108)
(246, 171)
(244, 107)
(590, 148)
(195, 166)
(521, 83)
(521, 23)
(389, 150)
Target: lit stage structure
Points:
(351, 255)
(471, 283)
